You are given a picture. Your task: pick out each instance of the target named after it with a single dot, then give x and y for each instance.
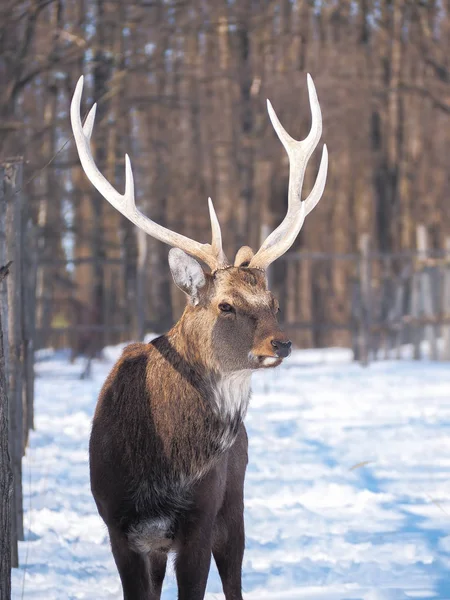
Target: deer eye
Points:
(225, 307)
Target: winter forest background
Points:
(348, 488)
(182, 87)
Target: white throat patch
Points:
(231, 394)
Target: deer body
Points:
(168, 449)
(159, 454)
(168, 436)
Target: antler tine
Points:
(89, 122)
(216, 243)
(211, 254)
(299, 152)
(129, 186)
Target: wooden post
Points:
(426, 291)
(7, 524)
(305, 303)
(355, 319)
(291, 292)
(366, 300)
(8, 554)
(3, 260)
(446, 302)
(12, 181)
(384, 311)
(397, 318)
(415, 312)
(29, 276)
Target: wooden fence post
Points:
(12, 181)
(14, 560)
(7, 554)
(426, 292)
(446, 302)
(415, 314)
(29, 277)
(365, 300)
(3, 260)
(400, 294)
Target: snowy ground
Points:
(347, 490)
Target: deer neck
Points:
(190, 337)
(228, 393)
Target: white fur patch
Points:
(270, 360)
(150, 535)
(267, 361)
(232, 394)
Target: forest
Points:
(348, 491)
(181, 87)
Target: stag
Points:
(168, 448)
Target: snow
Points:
(347, 489)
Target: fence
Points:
(17, 310)
(398, 304)
(407, 304)
(385, 305)
(380, 304)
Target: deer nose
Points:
(282, 349)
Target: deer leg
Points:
(157, 569)
(229, 531)
(133, 569)
(194, 558)
(228, 548)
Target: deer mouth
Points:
(270, 361)
(264, 361)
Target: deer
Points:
(168, 449)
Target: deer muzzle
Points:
(281, 348)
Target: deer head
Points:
(231, 314)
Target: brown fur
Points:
(168, 449)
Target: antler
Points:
(211, 254)
(280, 240)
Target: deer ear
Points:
(187, 273)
